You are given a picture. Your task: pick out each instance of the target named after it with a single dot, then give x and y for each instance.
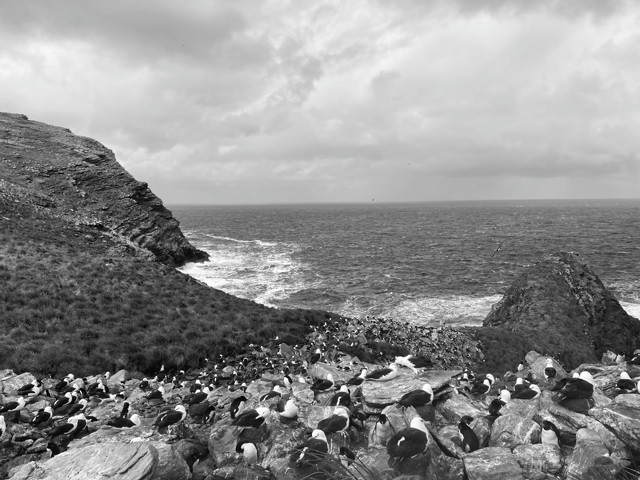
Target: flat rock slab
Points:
(492, 463)
(132, 461)
(381, 394)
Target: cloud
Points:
(337, 100)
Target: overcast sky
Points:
(324, 101)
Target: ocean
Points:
(430, 263)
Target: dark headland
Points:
(88, 284)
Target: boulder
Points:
(130, 461)
(539, 458)
(511, 430)
(623, 419)
(457, 406)
(560, 305)
(10, 382)
(377, 395)
(590, 459)
(492, 463)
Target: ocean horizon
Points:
(430, 263)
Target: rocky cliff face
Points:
(77, 179)
(561, 301)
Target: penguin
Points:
(549, 370)
(550, 434)
(347, 457)
(468, 437)
(382, 430)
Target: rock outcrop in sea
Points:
(78, 179)
(559, 306)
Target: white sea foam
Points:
(632, 309)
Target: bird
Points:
(521, 366)
(408, 442)
(198, 396)
(123, 422)
(384, 374)
(313, 451)
(144, 384)
(315, 356)
(288, 409)
(497, 403)
(625, 383)
(236, 405)
(382, 429)
(275, 392)
(64, 383)
(157, 394)
(529, 392)
(341, 397)
(251, 418)
(43, 415)
(33, 388)
(249, 452)
(550, 434)
(468, 437)
(72, 408)
(481, 388)
(170, 418)
(3, 426)
(347, 457)
(14, 406)
(338, 422)
(358, 379)
(520, 385)
(73, 426)
(580, 387)
(549, 370)
(417, 398)
(322, 385)
(66, 399)
(414, 362)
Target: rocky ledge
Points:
(50, 170)
(594, 437)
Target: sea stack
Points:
(559, 304)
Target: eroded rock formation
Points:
(77, 179)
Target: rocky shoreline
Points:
(599, 443)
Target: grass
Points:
(69, 302)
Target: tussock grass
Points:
(70, 302)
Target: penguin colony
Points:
(71, 401)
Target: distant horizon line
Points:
(402, 202)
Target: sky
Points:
(252, 101)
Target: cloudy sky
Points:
(322, 101)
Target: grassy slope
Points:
(68, 303)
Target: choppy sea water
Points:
(422, 262)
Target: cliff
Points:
(50, 171)
(559, 306)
